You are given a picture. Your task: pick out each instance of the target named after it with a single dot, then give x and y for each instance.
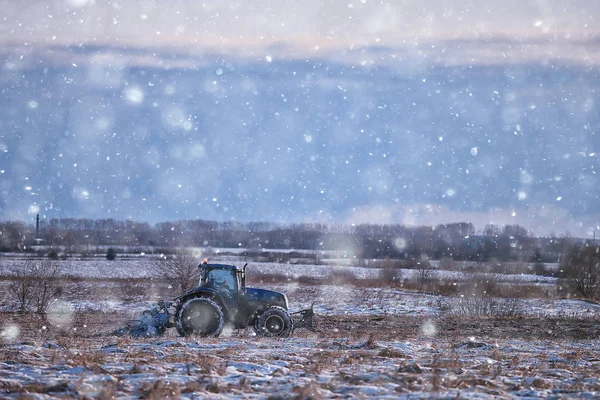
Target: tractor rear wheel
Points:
(199, 316)
(274, 322)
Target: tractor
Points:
(222, 298)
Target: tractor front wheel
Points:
(274, 322)
(199, 316)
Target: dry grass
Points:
(389, 352)
(489, 284)
(159, 390)
(482, 307)
(442, 366)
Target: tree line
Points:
(457, 241)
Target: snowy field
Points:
(421, 365)
(371, 343)
(129, 286)
(141, 268)
(329, 300)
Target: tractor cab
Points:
(225, 279)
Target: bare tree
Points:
(180, 270)
(47, 286)
(35, 284)
(424, 274)
(581, 271)
(22, 285)
(390, 276)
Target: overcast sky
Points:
(310, 23)
(508, 111)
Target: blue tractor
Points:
(223, 298)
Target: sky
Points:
(341, 111)
(305, 24)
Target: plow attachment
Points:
(154, 322)
(304, 319)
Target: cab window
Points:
(221, 279)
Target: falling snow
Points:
(343, 115)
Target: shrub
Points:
(445, 288)
(539, 268)
(111, 254)
(390, 276)
(341, 276)
(35, 284)
(425, 275)
(471, 306)
(479, 297)
(53, 254)
(481, 284)
(180, 270)
(580, 271)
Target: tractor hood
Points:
(266, 296)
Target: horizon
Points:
(271, 225)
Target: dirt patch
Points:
(405, 327)
(383, 327)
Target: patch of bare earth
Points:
(390, 327)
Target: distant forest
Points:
(457, 241)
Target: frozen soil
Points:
(371, 343)
(379, 357)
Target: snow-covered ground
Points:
(141, 268)
(100, 293)
(372, 342)
(348, 300)
(420, 367)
